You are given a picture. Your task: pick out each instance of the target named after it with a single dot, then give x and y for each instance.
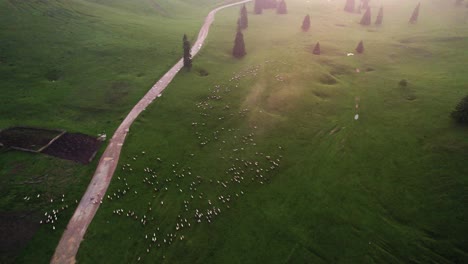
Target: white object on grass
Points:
(356, 117)
(350, 54)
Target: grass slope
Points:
(80, 66)
(387, 188)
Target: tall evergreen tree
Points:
(379, 19)
(187, 55)
(239, 46)
(243, 20)
(349, 6)
(258, 9)
(360, 47)
(306, 23)
(366, 18)
(316, 49)
(282, 9)
(415, 15)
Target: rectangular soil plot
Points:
(28, 139)
(74, 146)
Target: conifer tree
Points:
(187, 55)
(366, 18)
(243, 20)
(349, 6)
(306, 23)
(239, 46)
(415, 15)
(282, 9)
(316, 50)
(379, 19)
(258, 9)
(360, 47)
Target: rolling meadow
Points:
(261, 160)
(282, 156)
(79, 66)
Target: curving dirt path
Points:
(70, 242)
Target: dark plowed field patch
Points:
(27, 138)
(74, 146)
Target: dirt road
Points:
(89, 204)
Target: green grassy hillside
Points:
(80, 66)
(267, 149)
(50, 52)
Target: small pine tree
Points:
(415, 15)
(258, 9)
(360, 47)
(239, 46)
(379, 19)
(243, 20)
(282, 9)
(187, 55)
(349, 6)
(366, 18)
(460, 114)
(316, 50)
(306, 23)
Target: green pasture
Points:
(79, 66)
(389, 187)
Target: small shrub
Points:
(316, 50)
(203, 72)
(460, 114)
(53, 75)
(360, 47)
(403, 83)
